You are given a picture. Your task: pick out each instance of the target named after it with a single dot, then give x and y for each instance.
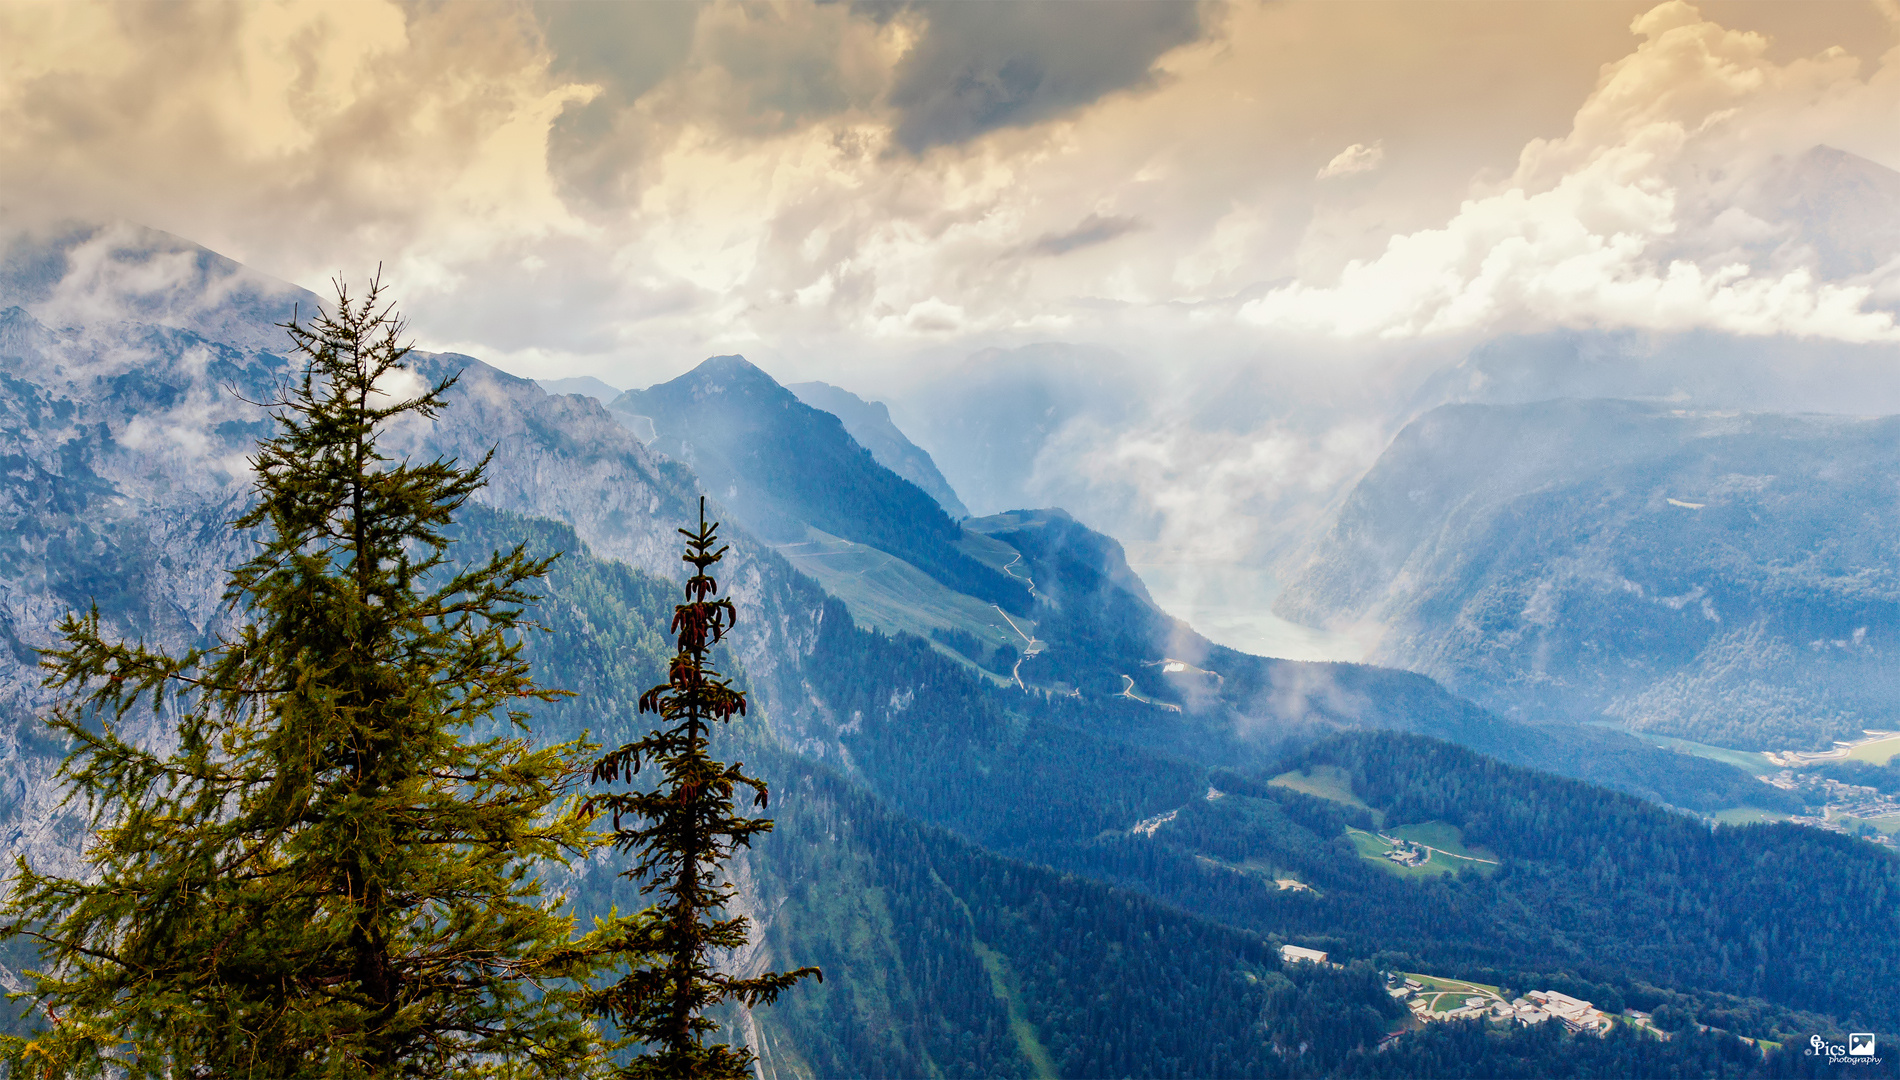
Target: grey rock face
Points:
(1722, 577)
(130, 369)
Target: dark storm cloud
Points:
(747, 70)
(983, 66)
(1092, 230)
(625, 49)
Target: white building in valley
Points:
(1576, 1014)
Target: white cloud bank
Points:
(1619, 224)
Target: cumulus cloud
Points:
(350, 129)
(1357, 158)
(1628, 220)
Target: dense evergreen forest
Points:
(940, 957)
(981, 907)
(1773, 926)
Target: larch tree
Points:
(333, 874)
(683, 831)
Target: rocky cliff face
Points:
(131, 365)
(124, 455)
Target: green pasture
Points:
(1879, 752)
(1749, 761)
(1450, 856)
(889, 594)
(1327, 782)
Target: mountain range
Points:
(1029, 823)
(1716, 576)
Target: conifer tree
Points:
(683, 830)
(332, 874)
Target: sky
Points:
(844, 191)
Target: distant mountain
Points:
(1695, 370)
(1844, 208)
(584, 385)
(1086, 625)
(1722, 577)
(869, 422)
(1097, 633)
(988, 420)
(786, 468)
(92, 275)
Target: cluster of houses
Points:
(1426, 1003)
(1579, 1016)
(1536, 1007)
(1407, 853)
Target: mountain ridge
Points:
(870, 423)
(1666, 567)
(786, 467)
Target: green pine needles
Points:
(333, 873)
(688, 828)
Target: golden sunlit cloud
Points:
(622, 189)
(1603, 228)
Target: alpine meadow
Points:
(1135, 538)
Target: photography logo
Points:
(1858, 1050)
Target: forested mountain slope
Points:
(1727, 578)
(935, 947)
(1596, 891)
(931, 947)
(869, 423)
(1087, 625)
(784, 467)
